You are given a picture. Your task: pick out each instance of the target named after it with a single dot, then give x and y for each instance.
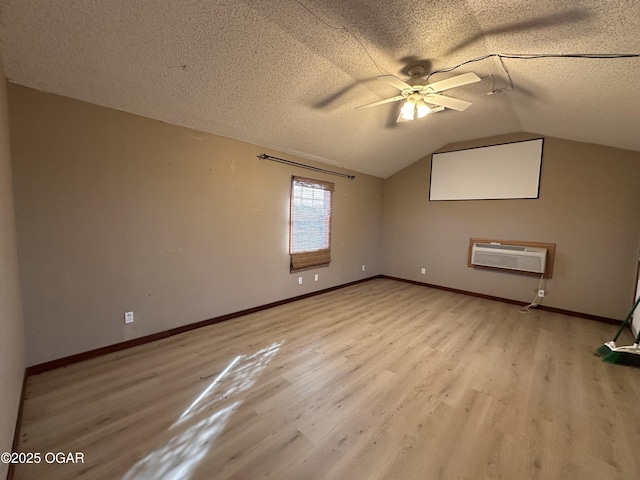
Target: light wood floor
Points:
(381, 380)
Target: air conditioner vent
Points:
(510, 257)
(499, 246)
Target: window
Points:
(310, 233)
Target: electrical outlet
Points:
(299, 280)
(128, 317)
(541, 293)
(363, 267)
(315, 279)
(423, 271)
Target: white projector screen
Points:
(511, 170)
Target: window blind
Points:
(310, 232)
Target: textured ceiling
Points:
(287, 74)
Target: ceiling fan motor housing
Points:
(416, 71)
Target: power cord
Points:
(501, 56)
(531, 56)
(521, 56)
(525, 310)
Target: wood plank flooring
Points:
(381, 380)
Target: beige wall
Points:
(11, 329)
(588, 205)
(117, 212)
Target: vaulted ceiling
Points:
(288, 74)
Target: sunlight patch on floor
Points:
(204, 420)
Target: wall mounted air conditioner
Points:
(510, 257)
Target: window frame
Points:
(314, 258)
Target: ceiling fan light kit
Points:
(414, 107)
(407, 111)
(421, 99)
(422, 109)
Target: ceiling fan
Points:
(421, 98)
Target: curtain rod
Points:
(264, 156)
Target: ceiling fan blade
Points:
(453, 82)
(449, 102)
(381, 102)
(575, 15)
(394, 82)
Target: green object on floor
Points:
(626, 355)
